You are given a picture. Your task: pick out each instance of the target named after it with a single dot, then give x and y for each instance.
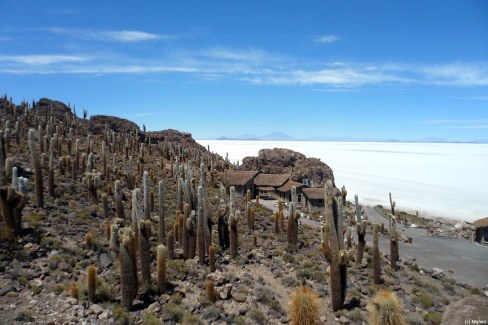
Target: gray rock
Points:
(6, 289)
(343, 320)
(472, 307)
(225, 291)
(105, 260)
(96, 309)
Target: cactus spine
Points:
(210, 290)
(304, 306)
(162, 254)
(376, 257)
(171, 245)
(338, 265)
(37, 170)
(386, 309)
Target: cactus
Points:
(361, 231)
(234, 219)
(343, 194)
(88, 240)
(12, 203)
(257, 200)
(162, 225)
(392, 204)
(114, 238)
(324, 237)
(276, 216)
(251, 219)
(119, 205)
(393, 243)
(192, 234)
(181, 229)
(136, 212)
(184, 230)
(162, 254)
(376, 257)
(338, 264)
(171, 245)
(386, 309)
(210, 290)
(37, 170)
(74, 291)
(255, 239)
(201, 228)
(348, 238)
(248, 196)
(128, 285)
(211, 258)
(147, 209)
(232, 199)
(222, 225)
(91, 280)
(105, 206)
(92, 182)
(145, 250)
(304, 306)
(108, 230)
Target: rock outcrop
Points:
(114, 123)
(280, 161)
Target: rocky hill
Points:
(283, 161)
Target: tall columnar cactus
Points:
(105, 206)
(223, 225)
(294, 236)
(234, 233)
(136, 212)
(162, 224)
(127, 270)
(324, 237)
(184, 229)
(179, 194)
(91, 279)
(201, 228)
(171, 245)
(276, 217)
(233, 199)
(338, 264)
(92, 182)
(211, 258)
(50, 178)
(393, 243)
(289, 227)
(114, 237)
(386, 309)
(392, 204)
(145, 250)
(12, 203)
(376, 257)
(119, 204)
(192, 234)
(147, 209)
(361, 231)
(37, 170)
(162, 255)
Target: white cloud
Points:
(42, 59)
(125, 36)
(326, 39)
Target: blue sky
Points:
(369, 69)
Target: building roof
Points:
(265, 188)
(314, 193)
(288, 185)
(238, 177)
(481, 222)
(275, 180)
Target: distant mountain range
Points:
(280, 136)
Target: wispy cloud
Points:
(254, 66)
(143, 115)
(125, 36)
(326, 39)
(42, 59)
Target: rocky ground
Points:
(38, 269)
